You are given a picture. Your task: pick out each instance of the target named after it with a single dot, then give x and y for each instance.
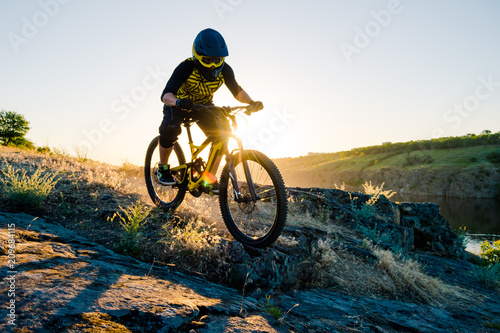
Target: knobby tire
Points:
(166, 197)
(259, 223)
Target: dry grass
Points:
(91, 172)
(392, 277)
(409, 281)
(299, 217)
(377, 191)
(341, 271)
(205, 208)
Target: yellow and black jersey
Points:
(187, 82)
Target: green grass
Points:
(488, 275)
(271, 309)
(491, 324)
(457, 157)
(319, 170)
(132, 221)
(24, 190)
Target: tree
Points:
(13, 127)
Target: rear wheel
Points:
(166, 197)
(254, 222)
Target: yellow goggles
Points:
(208, 61)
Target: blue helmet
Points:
(209, 52)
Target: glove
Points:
(256, 106)
(184, 103)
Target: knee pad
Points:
(169, 134)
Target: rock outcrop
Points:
(407, 226)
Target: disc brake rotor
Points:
(247, 205)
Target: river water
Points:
(480, 217)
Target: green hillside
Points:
(398, 165)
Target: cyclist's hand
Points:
(184, 103)
(255, 106)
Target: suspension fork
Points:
(248, 175)
(232, 172)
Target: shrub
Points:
(377, 191)
(368, 208)
(494, 157)
(462, 237)
(491, 252)
(366, 211)
(190, 238)
(271, 309)
(489, 271)
(13, 127)
(417, 160)
(193, 246)
(27, 191)
(21, 142)
(44, 150)
(489, 275)
(374, 235)
(132, 223)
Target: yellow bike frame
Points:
(219, 149)
(214, 158)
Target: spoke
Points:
(166, 194)
(254, 218)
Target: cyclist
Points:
(195, 81)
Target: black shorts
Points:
(170, 127)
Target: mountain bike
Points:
(252, 195)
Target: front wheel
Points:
(253, 222)
(166, 197)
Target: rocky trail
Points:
(64, 282)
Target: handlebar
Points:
(225, 110)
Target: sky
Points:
(333, 75)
